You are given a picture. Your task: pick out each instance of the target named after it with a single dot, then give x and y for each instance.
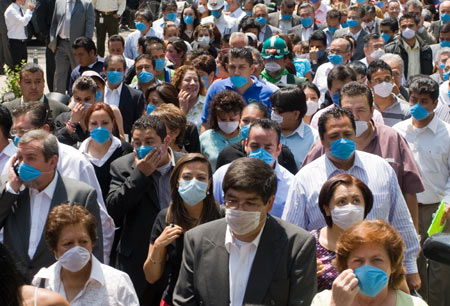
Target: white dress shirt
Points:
(64, 33)
(158, 25)
(116, 143)
(16, 21)
(284, 25)
(240, 264)
(320, 79)
(302, 207)
(105, 286)
(112, 96)
(6, 154)
(431, 149)
(238, 14)
(442, 111)
(306, 32)
(110, 6)
(225, 24)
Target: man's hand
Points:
(31, 6)
(13, 179)
(314, 54)
(446, 215)
(149, 163)
(413, 281)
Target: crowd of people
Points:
(284, 152)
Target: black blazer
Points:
(358, 53)
(131, 106)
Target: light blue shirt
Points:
(212, 142)
(300, 141)
(131, 45)
(284, 179)
(302, 207)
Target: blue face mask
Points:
(320, 53)
(335, 59)
(441, 65)
(446, 75)
(192, 191)
(261, 20)
(445, 18)
(249, 13)
(28, 173)
(262, 155)
(244, 131)
(145, 77)
(16, 140)
(379, 4)
(226, 7)
(142, 151)
(360, 1)
(307, 22)
(286, 17)
(332, 30)
(114, 77)
(314, 1)
(100, 135)
(188, 19)
(445, 43)
(386, 37)
(352, 23)
(140, 26)
(160, 64)
(344, 25)
(371, 280)
(418, 112)
(216, 14)
(205, 81)
(171, 16)
(343, 148)
(98, 95)
(150, 108)
(336, 99)
(238, 81)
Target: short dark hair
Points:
(369, 37)
(289, 99)
(112, 57)
(39, 114)
(305, 5)
(243, 53)
(31, 68)
(205, 62)
(357, 9)
(424, 85)
(166, 91)
(117, 37)
(86, 43)
(248, 23)
(408, 16)
(392, 23)
(330, 186)
(320, 36)
(310, 85)
(358, 67)
(369, 8)
(260, 106)
(225, 101)
(166, 3)
(333, 14)
(251, 175)
(5, 121)
(288, 3)
(145, 56)
(267, 124)
(340, 73)
(179, 45)
(151, 122)
(146, 13)
(377, 66)
(334, 112)
(445, 28)
(356, 89)
(84, 83)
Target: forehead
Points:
(116, 43)
(83, 93)
(382, 73)
(357, 101)
(237, 61)
(376, 41)
(32, 75)
(144, 61)
(407, 21)
(419, 96)
(145, 133)
(23, 120)
(306, 10)
(242, 195)
(33, 147)
(260, 135)
(343, 190)
(339, 43)
(341, 122)
(196, 166)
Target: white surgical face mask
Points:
(75, 259)
(228, 127)
(377, 54)
(361, 127)
(408, 33)
(242, 222)
(345, 216)
(383, 89)
(302, 56)
(312, 107)
(276, 117)
(201, 9)
(370, 23)
(203, 41)
(272, 66)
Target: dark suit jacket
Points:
(270, 30)
(358, 54)
(274, 19)
(283, 271)
(133, 204)
(434, 29)
(55, 107)
(44, 12)
(15, 220)
(297, 30)
(131, 106)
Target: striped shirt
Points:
(303, 210)
(398, 111)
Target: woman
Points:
(70, 232)
(312, 94)
(175, 122)
(189, 20)
(370, 261)
(224, 117)
(191, 93)
(202, 8)
(343, 200)
(102, 148)
(203, 36)
(192, 204)
(176, 52)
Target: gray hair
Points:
(32, 68)
(306, 5)
(260, 5)
(237, 35)
(257, 54)
(394, 57)
(445, 50)
(413, 3)
(48, 142)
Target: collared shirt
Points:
(320, 79)
(39, 207)
(431, 149)
(299, 141)
(212, 142)
(238, 14)
(42, 99)
(131, 45)
(329, 36)
(225, 24)
(321, 13)
(284, 178)
(258, 92)
(442, 110)
(16, 21)
(303, 210)
(262, 33)
(364, 61)
(65, 29)
(163, 174)
(115, 143)
(306, 32)
(240, 264)
(112, 96)
(284, 25)
(6, 154)
(158, 25)
(356, 35)
(105, 286)
(110, 6)
(413, 58)
(396, 112)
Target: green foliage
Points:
(12, 80)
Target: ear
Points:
(53, 161)
(46, 127)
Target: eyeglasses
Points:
(248, 206)
(15, 132)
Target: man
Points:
(444, 38)
(415, 7)
(307, 25)
(263, 142)
(442, 110)
(238, 40)
(157, 50)
(107, 15)
(337, 127)
(270, 251)
(388, 29)
(393, 9)
(320, 11)
(169, 13)
(240, 69)
(86, 57)
(333, 20)
(429, 140)
(32, 84)
(116, 46)
(5, 56)
(354, 20)
(371, 24)
(145, 71)
(7, 147)
(444, 15)
(139, 190)
(224, 23)
(380, 140)
(71, 19)
(24, 210)
(275, 54)
(16, 24)
(397, 66)
(143, 19)
(284, 19)
(373, 48)
(235, 11)
(129, 101)
(440, 58)
(261, 16)
(416, 54)
(317, 50)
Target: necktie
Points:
(25, 27)
(69, 9)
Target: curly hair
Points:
(226, 101)
(179, 74)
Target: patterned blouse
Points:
(326, 279)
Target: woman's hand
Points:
(77, 113)
(320, 267)
(170, 233)
(344, 289)
(184, 97)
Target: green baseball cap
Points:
(274, 46)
